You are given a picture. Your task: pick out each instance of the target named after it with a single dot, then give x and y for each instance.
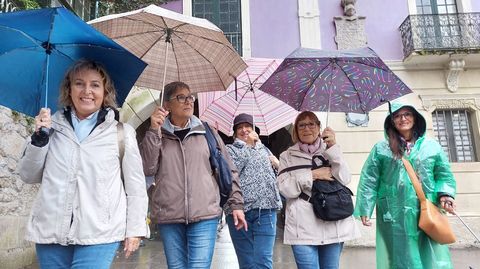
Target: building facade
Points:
(432, 45)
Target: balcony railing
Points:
(439, 34)
(7, 6)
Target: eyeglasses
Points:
(182, 98)
(406, 115)
(310, 125)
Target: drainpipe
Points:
(67, 6)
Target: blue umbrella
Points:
(38, 47)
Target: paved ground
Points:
(151, 256)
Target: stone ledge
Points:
(13, 232)
(17, 257)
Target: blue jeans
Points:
(189, 245)
(317, 257)
(55, 256)
(254, 248)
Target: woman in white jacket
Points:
(316, 243)
(83, 208)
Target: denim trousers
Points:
(317, 257)
(56, 256)
(254, 248)
(189, 245)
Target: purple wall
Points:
(274, 28)
(176, 6)
(475, 6)
(381, 25)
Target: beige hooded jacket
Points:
(302, 227)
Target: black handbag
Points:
(331, 200)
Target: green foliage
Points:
(120, 6)
(16, 116)
(106, 7)
(28, 4)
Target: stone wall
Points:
(15, 197)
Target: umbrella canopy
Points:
(269, 114)
(339, 81)
(176, 47)
(37, 48)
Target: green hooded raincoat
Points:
(384, 183)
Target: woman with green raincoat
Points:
(384, 183)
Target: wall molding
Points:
(309, 24)
(454, 101)
(187, 7)
(246, 39)
(455, 68)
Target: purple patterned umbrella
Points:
(338, 81)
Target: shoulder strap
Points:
(210, 137)
(413, 177)
(211, 145)
(121, 145)
(295, 168)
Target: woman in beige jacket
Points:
(186, 200)
(315, 243)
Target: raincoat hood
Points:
(419, 127)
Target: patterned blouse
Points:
(257, 178)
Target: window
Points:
(225, 14)
(436, 7)
(441, 27)
(454, 132)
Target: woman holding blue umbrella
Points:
(90, 197)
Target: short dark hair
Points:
(171, 88)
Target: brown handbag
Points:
(432, 221)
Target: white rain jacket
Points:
(82, 199)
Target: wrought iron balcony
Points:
(7, 6)
(441, 34)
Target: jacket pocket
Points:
(384, 211)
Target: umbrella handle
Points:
(468, 228)
(45, 130)
(164, 72)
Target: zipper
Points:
(185, 194)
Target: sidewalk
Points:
(151, 256)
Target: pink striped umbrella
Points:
(269, 113)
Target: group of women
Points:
(91, 198)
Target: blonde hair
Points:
(302, 116)
(109, 99)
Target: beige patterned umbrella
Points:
(176, 47)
